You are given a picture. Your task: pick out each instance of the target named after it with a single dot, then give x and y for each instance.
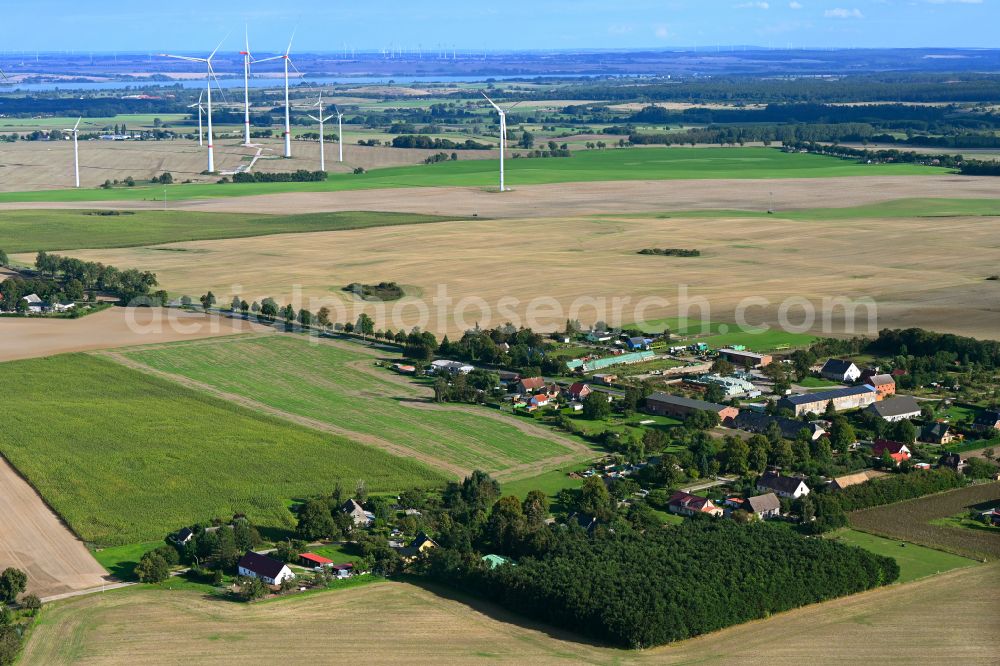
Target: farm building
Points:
(853, 397)
(732, 387)
(763, 506)
(747, 359)
(664, 404)
(599, 336)
(896, 409)
(610, 361)
(987, 421)
(884, 384)
(357, 513)
(637, 343)
(266, 569)
(314, 560)
(345, 570)
(783, 486)
(896, 450)
(442, 366)
(685, 504)
(839, 370)
(606, 379)
(848, 480)
(758, 423)
(937, 433)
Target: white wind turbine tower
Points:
(288, 121)
(503, 136)
(208, 79)
(200, 109)
(320, 119)
(340, 132)
(247, 59)
(76, 151)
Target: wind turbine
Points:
(208, 79)
(340, 132)
(76, 151)
(320, 119)
(288, 120)
(503, 135)
(247, 59)
(200, 109)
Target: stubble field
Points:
(948, 618)
(921, 271)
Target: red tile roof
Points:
(313, 557)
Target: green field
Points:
(327, 383)
(914, 561)
(124, 457)
(603, 165)
(720, 334)
(134, 121)
(120, 561)
(33, 230)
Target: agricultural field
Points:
(337, 385)
(937, 281)
(914, 561)
(586, 166)
(125, 457)
(913, 521)
(146, 624)
(35, 337)
(34, 230)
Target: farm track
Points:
(909, 521)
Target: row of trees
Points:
(129, 285)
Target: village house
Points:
(686, 504)
(665, 404)
(746, 359)
(987, 421)
(896, 409)
(357, 513)
(763, 506)
(898, 451)
(637, 343)
(839, 370)
(35, 304)
(853, 397)
(784, 486)
(529, 385)
(953, 461)
(421, 544)
(598, 336)
(267, 569)
(759, 423)
(537, 401)
(937, 433)
(578, 391)
(605, 379)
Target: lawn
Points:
(817, 382)
(549, 483)
(125, 457)
(120, 561)
(342, 387)
(720, 334)
(33, 230)
(589, 166)
(914, 561)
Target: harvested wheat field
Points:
(34, 337)
(392, 622)
(33, 539)
(920, 270)
(39, 165)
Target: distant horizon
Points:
(518, 25)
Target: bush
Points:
(152, 568)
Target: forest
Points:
(634, 583)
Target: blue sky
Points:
(509, 24)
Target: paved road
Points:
(708, 484)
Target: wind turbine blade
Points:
(77, 123)
(218, 47)
(4, 75)
(218, 85)
(315, 118)
(330, 116)
(167, 55)
(246, 38)
(200, 95)
(492, 103)
(289, 49)
(514, 104)
(277, 57)
(294, 67)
